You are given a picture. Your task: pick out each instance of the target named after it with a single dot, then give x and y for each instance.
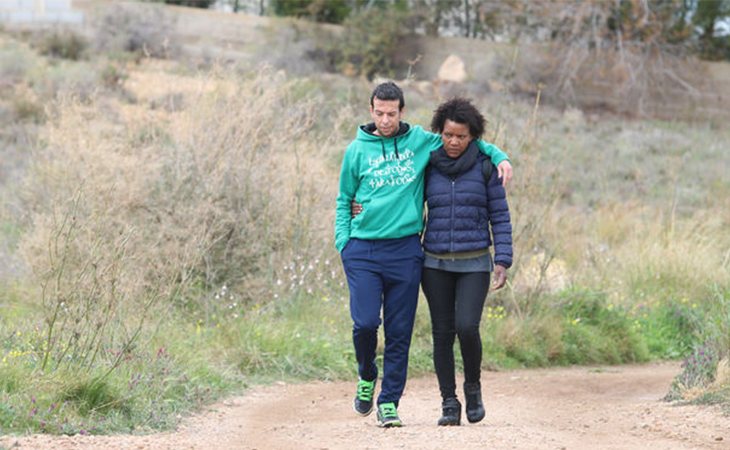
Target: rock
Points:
(452, 69)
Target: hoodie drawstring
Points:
(395, 144)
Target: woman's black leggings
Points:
(456, 301)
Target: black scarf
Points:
(453, 167)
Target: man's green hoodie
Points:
(385, 175)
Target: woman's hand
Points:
(500, 277)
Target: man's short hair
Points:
(388, 91)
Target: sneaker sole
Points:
(392, 424)
(449, 424)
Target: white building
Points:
(38, 12)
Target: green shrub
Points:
(139, 29)
(710, 347)
(307, 338)
(72, 79)
(330, 11)
(374, 42)
(671, 328)
(16, 62)
(64, 44)
(698, 371)
(92, 395)
(580, 327)
(599, 331)
(205, 4)
(174, 371)
(28, 109)
(112, 76)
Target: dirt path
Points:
(568, 408)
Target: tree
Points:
(708, 14)
(329, 11)
(205, 4)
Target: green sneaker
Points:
(363, 403)
(388, 415)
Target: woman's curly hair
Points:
(459, 110)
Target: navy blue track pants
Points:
(383, 273)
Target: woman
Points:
(466, 201)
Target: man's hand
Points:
(500, 277)
(504, 170)
(355, 208)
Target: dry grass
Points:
(138, 208)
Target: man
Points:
(383, 169)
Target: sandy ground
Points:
(566, 408)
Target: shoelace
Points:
(388, 410)
(365, 391)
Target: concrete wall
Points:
(38, 12)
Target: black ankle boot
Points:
(450, 412)
(474, 405)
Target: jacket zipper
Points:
(451, 228)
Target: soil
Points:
(566, 408)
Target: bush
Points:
(112, 76)
(64, 44)
(70, 79)
(140, 29)
(374, 42)
(28, 109)
(330, 11)
(176, 207)
(205, 4)
(573, 327)
(16, 62)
